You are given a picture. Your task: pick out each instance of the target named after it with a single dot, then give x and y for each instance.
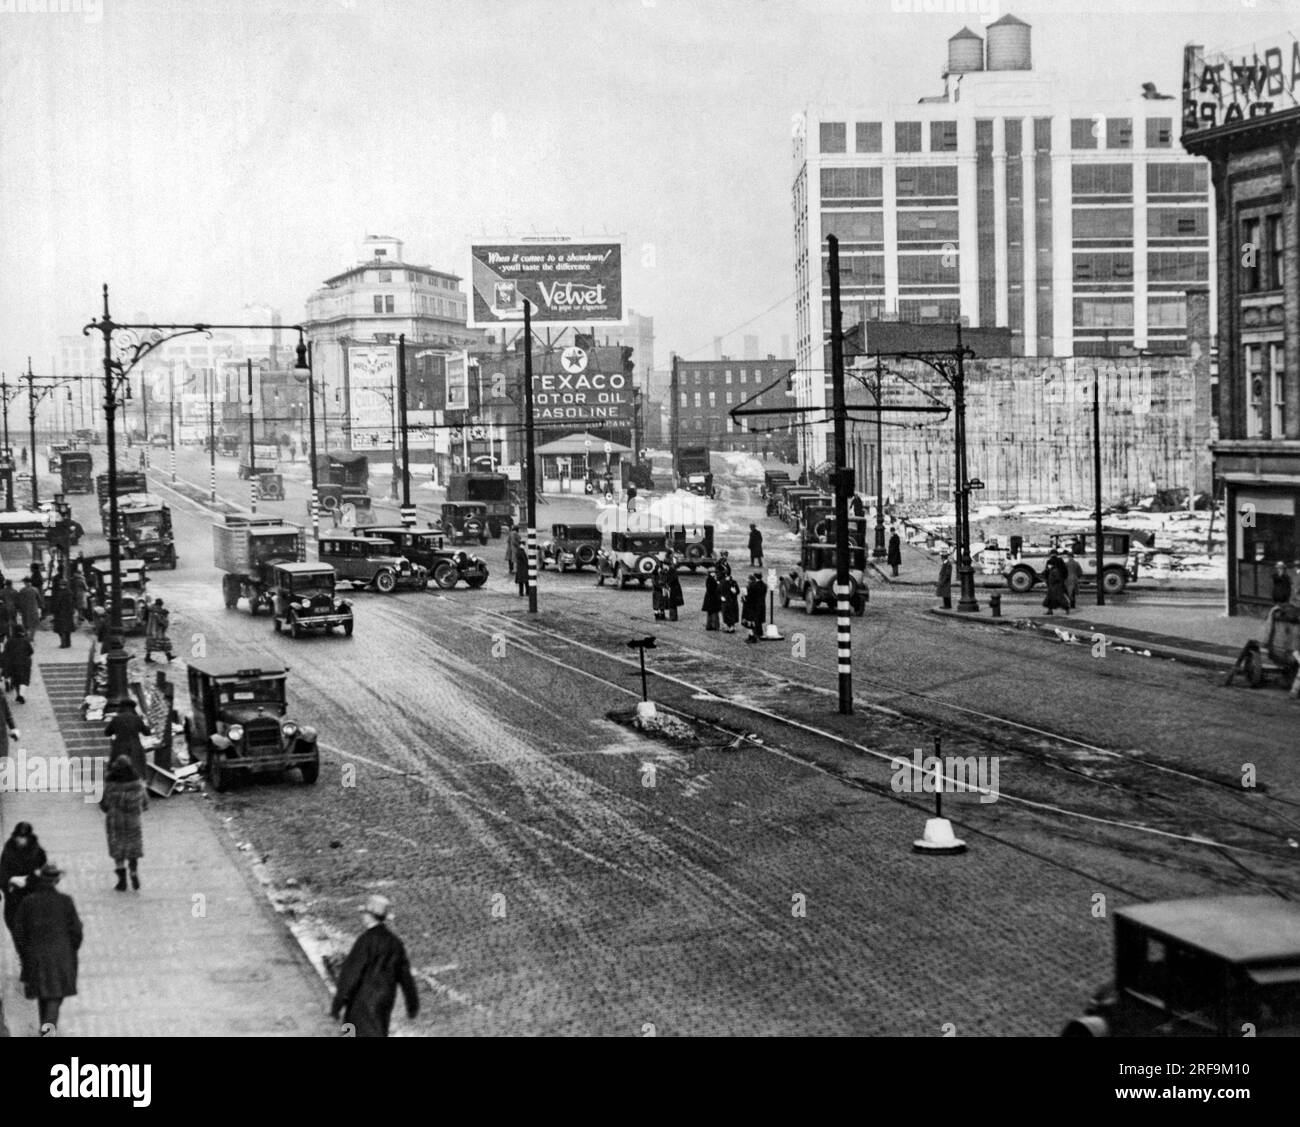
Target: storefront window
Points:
(1266, 532)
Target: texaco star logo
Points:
(573, 359)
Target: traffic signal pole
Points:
(529, 457)
(843, 638)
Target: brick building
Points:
(707, 390)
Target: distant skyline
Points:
(204, 156)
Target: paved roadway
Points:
(543, 886)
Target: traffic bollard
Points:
(995, 605)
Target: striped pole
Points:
(843, 643)
(408, 516)
(252, 492)
(212, 482)
(315, 513)
(532, 569)
(173, 465)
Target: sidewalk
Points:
(1188, 632)
(198, 951)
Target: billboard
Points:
(572, 385)
(1223, 87)
(567, 283)
(371, 376)
(457, 369)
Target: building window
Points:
(1251, 253)
(729, 399)
(1160, 132)
(1167, 313)
(1178, 266)
(1254, 390)
(852, 183)
(728, 371)
(927, 269)
(1102, 179)
(713, 398)
(1178, 223)
(943, 136)
(1276, 237)
(854, 226)
(385, 275)
(729, 424)
(868, 136)
(1083, 133)
(833, 137)
(907, 136)
(1112, 269)
(697, 377)
(1119, 133)
(1178, 179)
(683, 402)
(1110, 225)
(379, 303)
(742, 377)
(1277, 370)
(1103, 313)
(699, 423)
(728, 377)
(930, 225)
(698, 404)
(928, 180)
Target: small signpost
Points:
(770, 632)
(646, 707)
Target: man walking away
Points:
(47, 931)
(375, 967)
(30, 606)
(64, 613)
(1281, 584)
(943, 588)
(755, 546)
(521, 569)
(1073, 577)
(894, 556)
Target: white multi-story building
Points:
(1005, 202)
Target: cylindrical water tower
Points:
(1008, 45)
(965, 52)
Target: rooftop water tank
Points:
(965, 52)
(1008, 44)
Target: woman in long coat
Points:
(126, 727)
(63, 613)
(20, 860)
(943, 586)
(712, 605)
(673, 597)
(755, 609)
(18, 661)
(894, 553)
(123, 802)
(729, 592)
(47, 932)
(1055, 574)
(659, 592)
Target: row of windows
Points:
(699, 373)
(713, 398)
(1262, 253)
(1116, 223)
(1117, 179)
(410, 276)
(1117, 313)
(907, 137)
(1162, 266)
(1088, 132)
(697, 424)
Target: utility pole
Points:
(674, 436)
(965, 569)
(844, 648)
(171, 421)
(1096, 482)
(252, 455)
(408, 510)
(212, 437)
(529, 456)
(31, 418)
(8, 450)
(878, 552)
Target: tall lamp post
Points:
(302, 371)
(530, 456)
(9, 392)
(33, 398)
(408, 510)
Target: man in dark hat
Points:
(47, 932)
(155, 632)
(20, 861)
(126, 728)
(375, 967)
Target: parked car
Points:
(1216, 966)
(160, 440)
(632, 556)
(370, 562)
(424, 546)
(572, 546)
(239, 722)
(90, 437)
(813, 578)
(303, 598)
(464, 521)
(1023, 564)
(693, 545)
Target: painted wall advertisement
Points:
(574, 385)
(372, 377)
(567, 283)
(1222, 87)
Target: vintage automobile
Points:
(302, 599)
(424, 546)
(239, 724)
(464, 521)
(1216, 966)
(228, 445)
(89, 437)
(631, 556)
(772, 481)
(692, 544)
(1023, 564)
(370, 562)
(571, 546)
(135, 596)
(270, 485)
(813, 579)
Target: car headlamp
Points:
(307, 732)
(304, 604)
(235, 732)
(290, 729)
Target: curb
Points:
(1172, 653)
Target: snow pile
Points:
(743, 465)
(679, 508)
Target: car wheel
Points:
(1021, 580)
(621, 575)
(475, 580)
(785, 594)
(347, 628)
(810, 599)
(218, 775)
(444, 575)
(385, 582)
(1113, 582)
(311, 769)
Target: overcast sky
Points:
(200, 155)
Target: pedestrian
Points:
(9, 597)
(729, 591)
(63, 613)
(1073, 577)
(1281, 584)
(1054, 572)
(943, 588)
(512, 549)
(631, 498)
(18, 662)
(20, 860)
(712, 606)
(155, 632)
(30, 606)
(659, 592)
(894, 553)
(80, 595)
(126, 727)
(47, 932)
(724, 564)
(755, 546)
(755, 613)
(38, 577)
(673, 588)
(368, 980)
(125, 799)
(521, 568)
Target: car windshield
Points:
(583, 532)
(270, 691)
(645, 544)
(318, 582)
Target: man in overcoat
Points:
(47, 932)
(375, 967)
